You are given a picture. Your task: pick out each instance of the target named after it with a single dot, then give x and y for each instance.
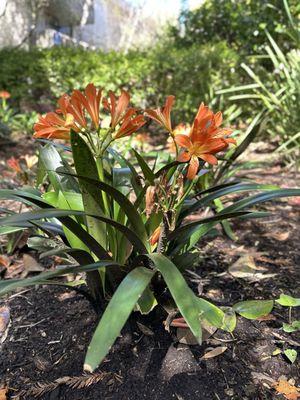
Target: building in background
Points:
(105, 24)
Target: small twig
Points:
(290, 341)
(31, 325)
(225, 340)
(18, 294)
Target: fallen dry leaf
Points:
(4, 322)
(214, 353)
(295, 201)
(246, 268)
(4, 261)
(66, 295)
(268, 317)
(281, 237)
(14, 270)
(265, 379)
(289, 391)
(144, 329)
(31, 265)
(3, 393)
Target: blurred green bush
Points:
(240, 23)
(37, 76)
(193, 61)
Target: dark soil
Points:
(51, 328)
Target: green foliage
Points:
(288, 301)
(278, 93)
(108, 233)
(40, 76)
(241, 23)
(253, 309)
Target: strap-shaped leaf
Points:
(216, 218)
(115, 315)
(72, 225)
(166, 168)
(132, 214)
(70, 201)
(217, 187)
(183, 295)
(125, 163)
(15, 219)
(85, 165)
(12, 284)
(260, 198)
(24, 196)
(5, 230)
(53, 163)
(241, 187)
(188, 235)
(147, 171)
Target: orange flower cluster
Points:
(121, 115)
(14, 164)
(74, 110)
(203, 140)
(4, 94)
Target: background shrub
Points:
(150, 75)
(241, 23)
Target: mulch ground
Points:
(51, 327)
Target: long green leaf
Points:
(215, 188)
(132, 214)
(216, 218)
(8, 285)
(60, 214)
(184, 297)
(125, 163)
(72, 225)
(241, 187)
(92, 197)
(53, 163)
(147, 171)
(260, 198)
(213, 314)
(115, 316)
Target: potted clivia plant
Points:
(125, 223)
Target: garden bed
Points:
(51, 328)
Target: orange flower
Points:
(205, 139)
(163, 115)
(52, 126)
(4, 94)
(121, 115)
(155, 236)
(142, 137)
(180, 129)
(130, 125)
(73, 108)
(117, 107)
(90, 101)
(71, 105)
(14, 164)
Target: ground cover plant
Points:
(125, 222)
